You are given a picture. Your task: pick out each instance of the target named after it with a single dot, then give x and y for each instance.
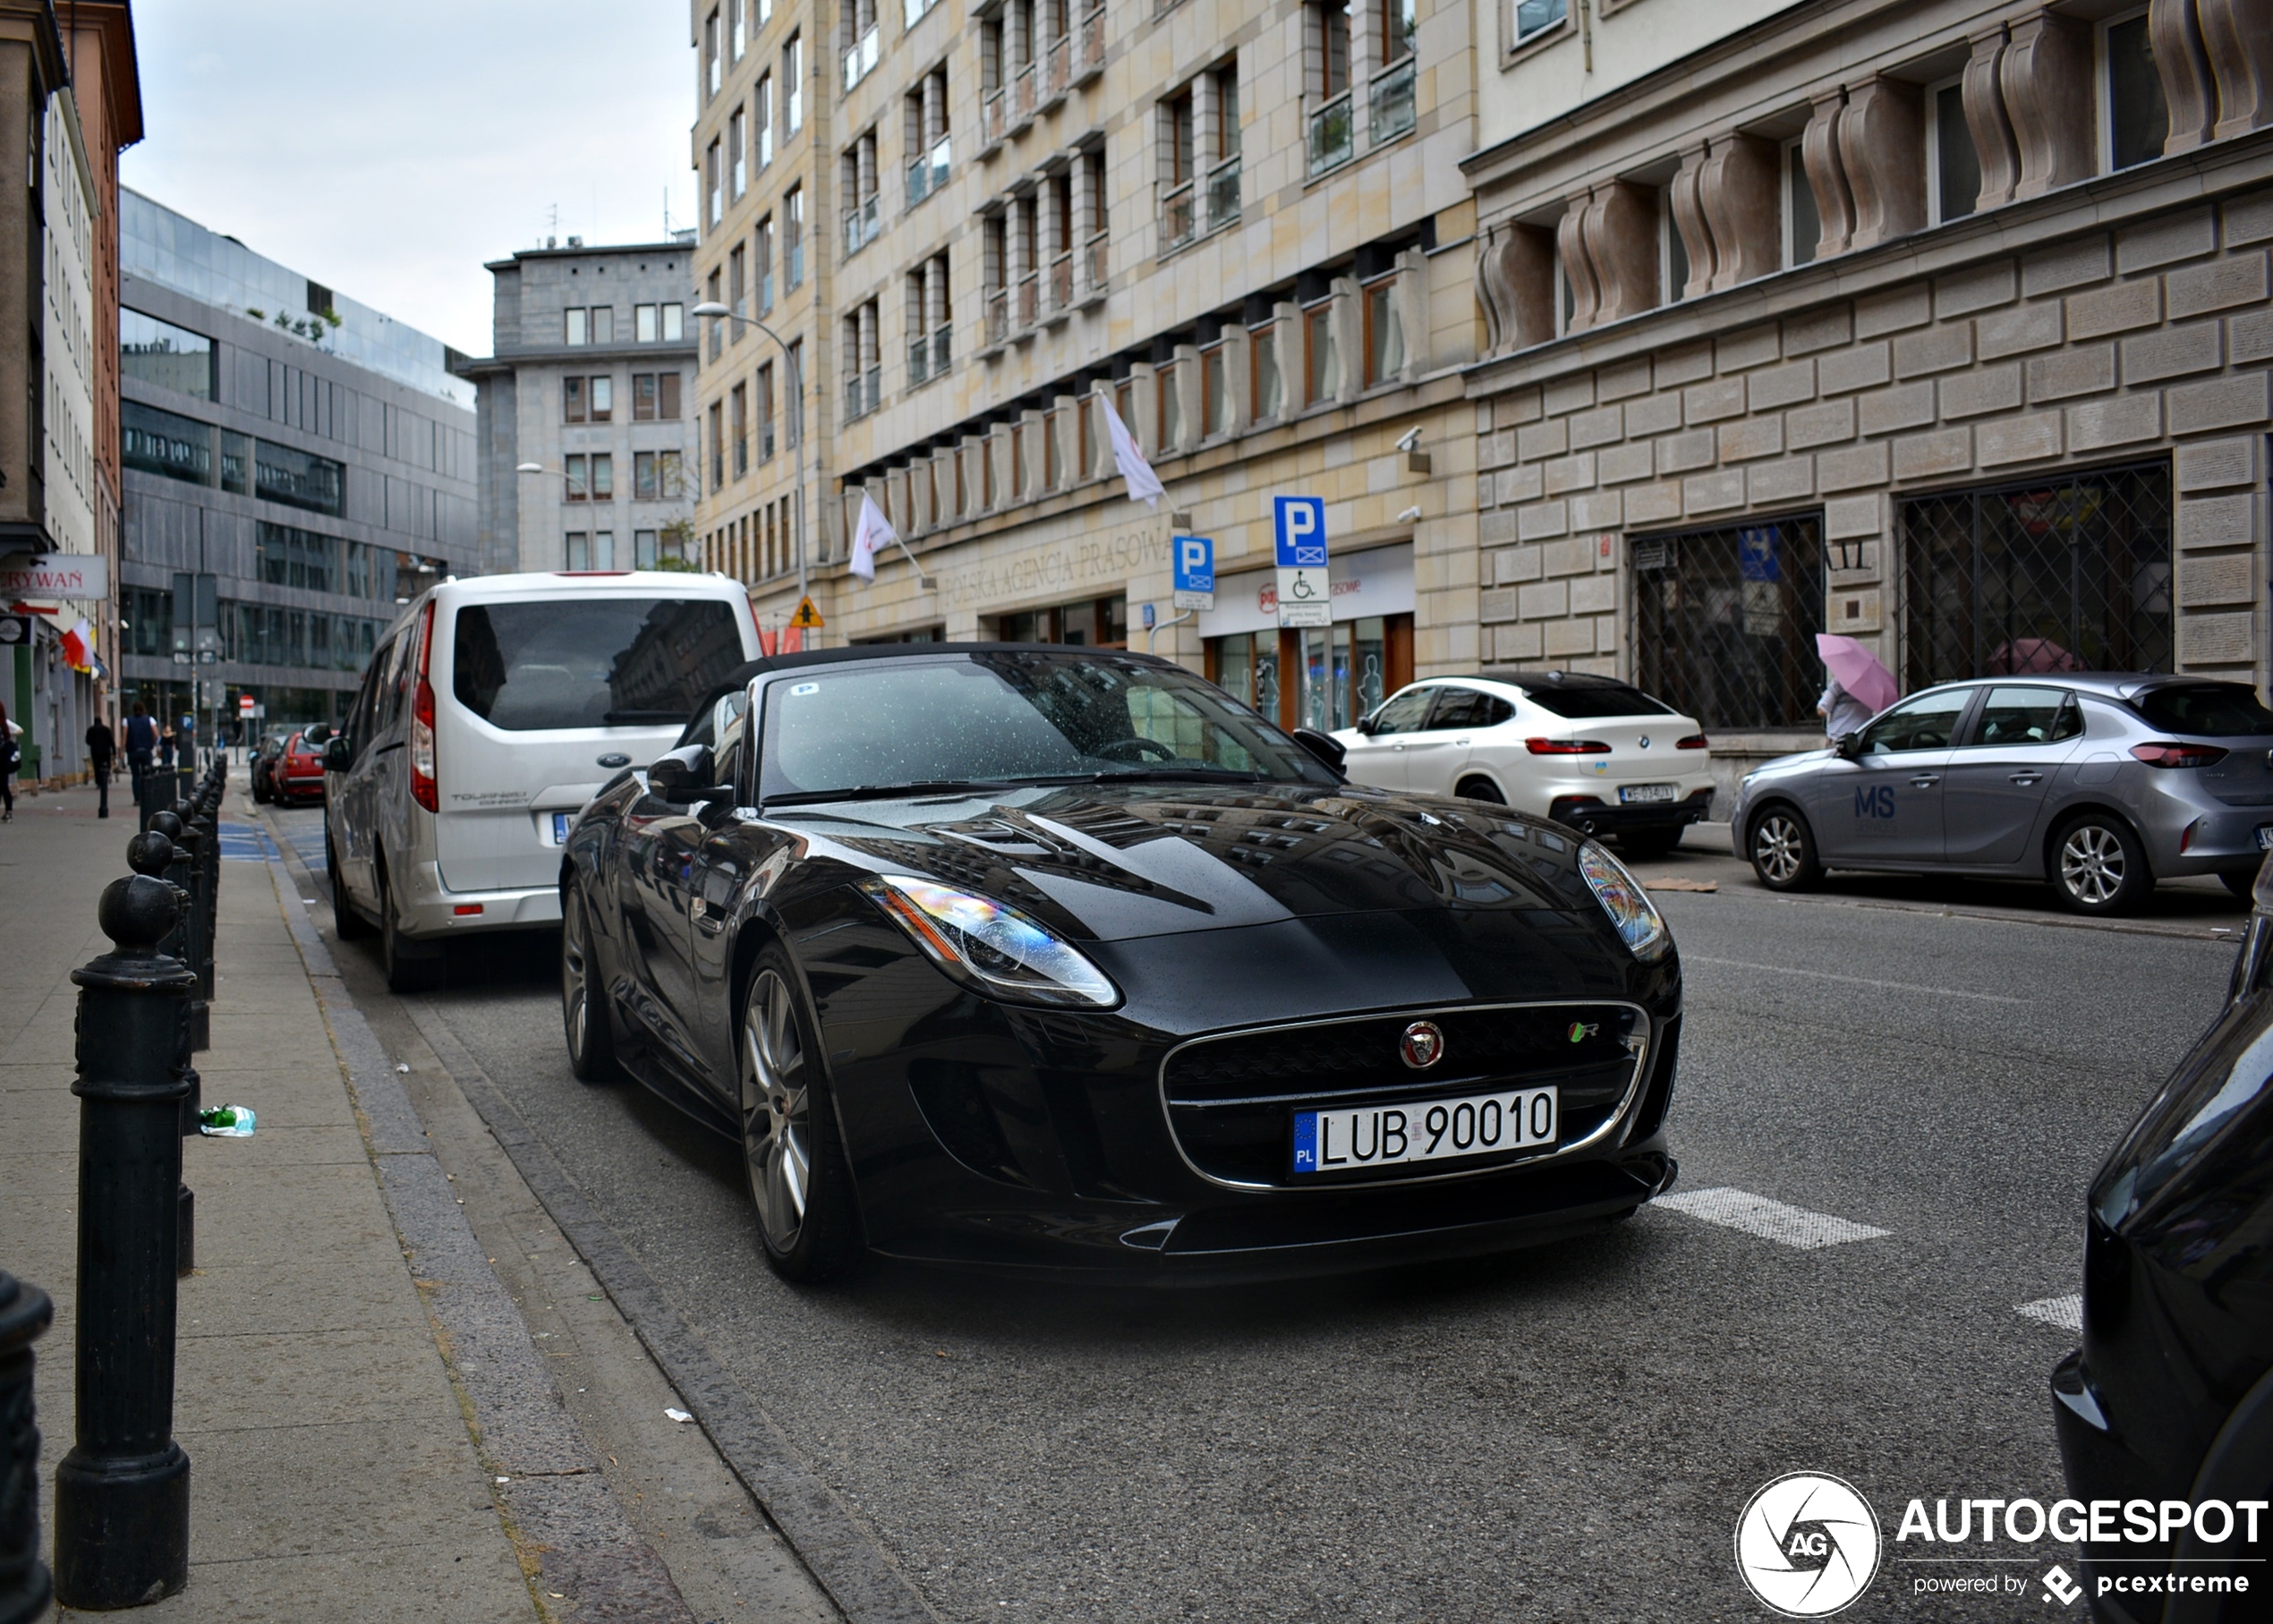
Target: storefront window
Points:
(1094, 623)
(1342, 671)
(1725, 622)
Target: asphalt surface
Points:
(1568, 1433)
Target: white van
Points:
(493, 710)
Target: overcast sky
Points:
(388, 150)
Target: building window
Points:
(1215, 393)
(793, 393)
(603, 477)
(576, 476)
(669, 476)
(579, 551)
(603, 399)
(1169, 402)
(578, 330)
(738, 427)
(738, 143)
(1341, 672)
(1179, 204)
(718, 445)
(864, 379)
(1263, 371)
(158, 352)
(737, 277)
(930, 321)
(923, 115)
(603, 324)
(1953, 163)
(643, 397)
(711, 184)
(1803, 224)
(762, 264)
(2068, 573)
(161, 443)
(2136, 119)
(1395, 108)
(858, 41)
(643, 476)
(792, 87)
(666, 386)
(572, 400)
(711, 75)
(762, 121)
(674, 323)
(857, 186)
(1328, 103)
(716, 287)
(793, 237)
(1322, 363)
(765, 411)
(645, 327)
(1385, 333)
(642, 549)
(1531, 19)
(1672, 252)
(1725, 622)
(1093, 623)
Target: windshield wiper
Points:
(1167, 774)
(884, 792)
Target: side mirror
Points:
(1326, 748)
(683, 777)
(337, 758)
(1849, 746)
(1367, 726)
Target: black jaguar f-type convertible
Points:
(1050, 958)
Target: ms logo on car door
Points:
(1876, 801)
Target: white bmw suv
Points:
(1591, 751)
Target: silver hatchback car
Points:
(2099, 783)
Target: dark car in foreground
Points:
(1050, 958)
(2169, 1402)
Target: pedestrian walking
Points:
(165, 748)
(1842, 713)
(102, 749)
(141, 746)
(1857, 686)
(11, 752)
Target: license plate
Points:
(560, 822)
(2265, 836)
(1432, 1130)
(1640, 793)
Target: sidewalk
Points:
(341, 1465)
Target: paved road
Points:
(1562, 1434)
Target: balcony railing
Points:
(860, 226)
(1061, 286)
(992, 112)
(1393, 111)
(1089, 47)
(998, 318)
(1022, 98)
(928, 173)
(1223, 194)
(860, 57)
(863, 391)
(1179, 216)
(1057, 70)
(1029, 299)
(928, 354)
(1096, 270)
(1330, 135)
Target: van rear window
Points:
(591, 662)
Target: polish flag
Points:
(78, 646)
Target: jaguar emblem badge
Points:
(1422, 1046)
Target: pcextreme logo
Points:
(1808, 1544)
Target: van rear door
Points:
(542, 696)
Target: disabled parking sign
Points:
(1298, 528)
(1193, 578)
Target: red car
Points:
(298, 774)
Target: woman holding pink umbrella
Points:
(1859, 687)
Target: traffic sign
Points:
(245, 702)
(807, 617)
(1195, 571)
(1298, 527)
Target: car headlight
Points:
(1640, 924)
(993, 948)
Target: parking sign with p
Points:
(1300, 526)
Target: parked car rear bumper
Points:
(1593, 816)
(430, 909)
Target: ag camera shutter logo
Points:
(1808, 1544)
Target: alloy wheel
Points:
(2091, 865)
(777, 1116)
(575, 990)
(1778, 847)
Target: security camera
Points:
(1408, 515)
(1412, 441)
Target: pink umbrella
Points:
(1857, 669)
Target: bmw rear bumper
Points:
(1593, 815)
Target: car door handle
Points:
(2026, 778)
(1926, 780)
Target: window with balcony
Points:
(714, 193)
(793, 86)
(930, 321)
(1179, 214)
(1330, 130)
(764, 393)
(1264, 380)
(858, 185)
(1385, 333)
(762, 121)
(1321, 361)
(857, 44)
(2137, 119)
(762, 264)
(573, 407)
(1391, 95)
(737, 419)
(711, 78)
(923, 115)
(603, 399)
(793, 238)
(738, 143)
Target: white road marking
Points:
(1769, 1219)
(1851, 980)
(2060, 1313)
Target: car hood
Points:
(1786, 764)
(1119, 862)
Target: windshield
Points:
(1594, 701)
(1010, 718)
(591, 662)
(2212, 709)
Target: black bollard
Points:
(154, 852)
(122, 1493)
(25, 1583)
(193, 838)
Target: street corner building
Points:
(70, 100)
(1943, 326)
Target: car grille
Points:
(1231, 1100)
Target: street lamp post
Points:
(717, 311)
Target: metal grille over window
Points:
(2056, 575)
(1725, 622)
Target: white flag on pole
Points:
(873, 531)
(1144, 484)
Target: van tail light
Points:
(423, 788)
(1695, 741)
(2164, 752)
(1566, 747)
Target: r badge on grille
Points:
(1422, 1046)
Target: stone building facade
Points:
(1945, 326)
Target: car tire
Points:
(407, 969)
(1781, 847)
(584, 1011)
(1480, 789)
(2097, 865)
(1646, 845)
(346, 924)
(793, 1159)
